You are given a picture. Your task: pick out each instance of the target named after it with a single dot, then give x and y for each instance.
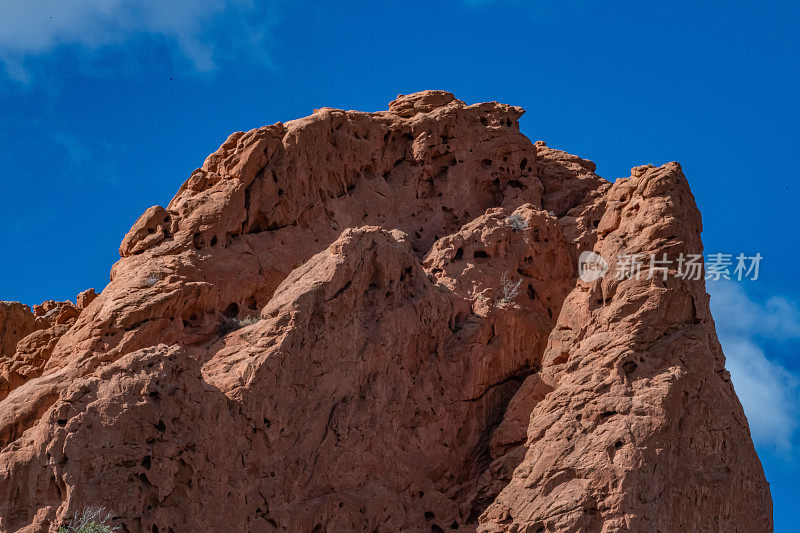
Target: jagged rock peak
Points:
(374, 321)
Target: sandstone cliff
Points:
(313, 336)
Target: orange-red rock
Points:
(314, 336)
(85, 298)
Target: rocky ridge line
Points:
(388, 383)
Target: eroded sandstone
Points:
(314, 336)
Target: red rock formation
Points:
(314, 336)
(28, 338)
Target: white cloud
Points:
(191, 28)
(778, 318)
(767, 389)
(88, 162)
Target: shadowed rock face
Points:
(382, 379)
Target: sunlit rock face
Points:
(374, 321)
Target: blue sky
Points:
(107, 106)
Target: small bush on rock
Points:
(90, 520)
(510, 289)
(517, 223)
(230, 325)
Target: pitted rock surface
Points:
(315, 335)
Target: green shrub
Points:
(90, 520)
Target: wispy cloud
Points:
(192, 29)
(767, 389)
(96, 163)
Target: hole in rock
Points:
(197, 241)
(629, 367)
(232, 310)
(531, 292)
